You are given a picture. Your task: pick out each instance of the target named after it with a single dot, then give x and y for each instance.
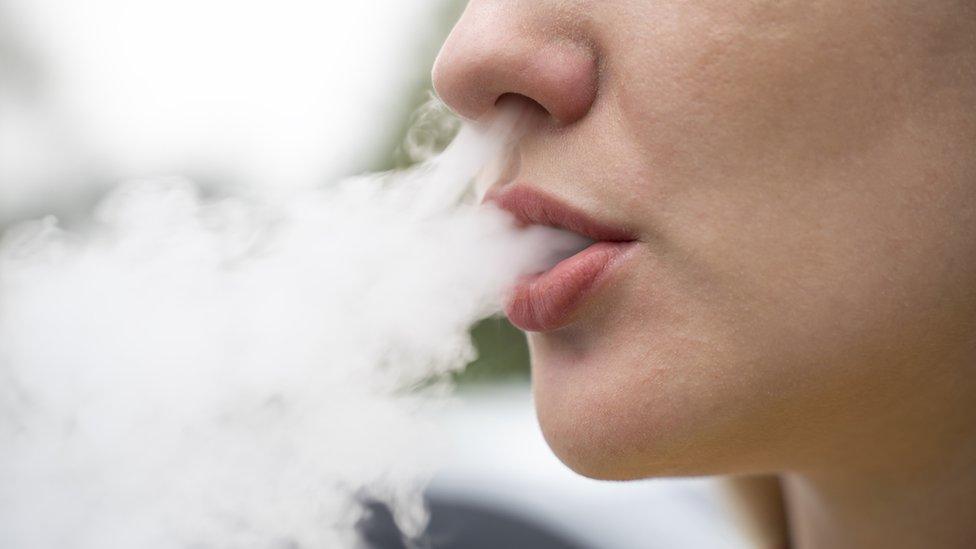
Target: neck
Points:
(908, 480)
(841, 512)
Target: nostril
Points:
(517, 100)
(529, 110)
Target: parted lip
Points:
(548, 301)
(531, 206)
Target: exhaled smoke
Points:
(230, 373)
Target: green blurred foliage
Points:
(503, 354)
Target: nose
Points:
(493, 53)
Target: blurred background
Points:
(240, 95)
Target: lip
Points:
(547, 301)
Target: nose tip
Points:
(486, 58)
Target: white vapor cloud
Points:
(228, 373)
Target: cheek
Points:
(731, 353)
(718, 95)
(808, 173)
(810, 219)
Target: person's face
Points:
(800, 178)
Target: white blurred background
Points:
(243, 93)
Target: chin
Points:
(604, 419)
(611, 408)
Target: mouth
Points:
(549, 300)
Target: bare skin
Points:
(801, 178)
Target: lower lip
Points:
(545, 302)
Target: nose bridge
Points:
(493, 53)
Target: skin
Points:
(802, 180)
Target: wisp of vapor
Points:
(235, 372)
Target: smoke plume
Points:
(185, 371)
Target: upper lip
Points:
(534, 207)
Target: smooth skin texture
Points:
(801, 176)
